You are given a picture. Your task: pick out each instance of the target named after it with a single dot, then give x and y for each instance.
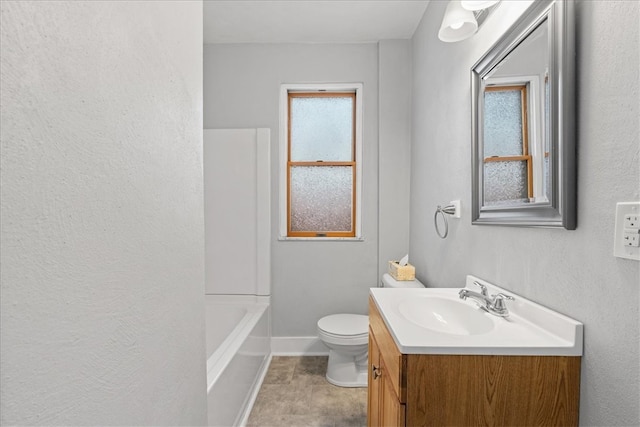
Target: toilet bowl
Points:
(347, 336)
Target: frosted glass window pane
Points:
(321, 129)
(547, 135)
(505, 182)
(321, 198)
(503, 123)
(547, 178)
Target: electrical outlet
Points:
(631, 238)
(631, 221)
(627, 231)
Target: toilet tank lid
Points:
(390, 282)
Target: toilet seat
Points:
(349, 329)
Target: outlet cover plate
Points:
(621, 248)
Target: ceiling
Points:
(310, 21)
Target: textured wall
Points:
(573, 272)
(102, 214)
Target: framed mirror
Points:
(523, 124)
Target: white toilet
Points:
(347, 336)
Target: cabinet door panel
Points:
(392, 411)
(373, 392)
(389, 353)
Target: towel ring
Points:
(449, 210)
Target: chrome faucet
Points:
(493, 304)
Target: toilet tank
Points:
(390, 282)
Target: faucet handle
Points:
(499, 305)
(483, 288)
(500, 296)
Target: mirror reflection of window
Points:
(508, 167)
(515, 90)
(546, 166)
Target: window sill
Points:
(320, 239)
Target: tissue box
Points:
(402, 272)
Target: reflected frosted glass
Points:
(547, 138)
(503, 123)
(505, 182)
(321, 129)
(321, 198)
(547, 178)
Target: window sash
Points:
(320, 163)
(525, 134)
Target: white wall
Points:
(102, 214)
(394, 122)
(573, 272)
(242, 83)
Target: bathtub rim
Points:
(256, 307)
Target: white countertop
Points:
(530, 329)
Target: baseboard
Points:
(298, 346)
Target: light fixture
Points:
(463, 18)
(458, 23)
(478, 4)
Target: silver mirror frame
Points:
(560, 211)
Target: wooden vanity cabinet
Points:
(467, 390)
(384, 405)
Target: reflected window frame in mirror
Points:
(554, 204)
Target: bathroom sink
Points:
(446, 315)
(437, 321)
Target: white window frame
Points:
(283, 144)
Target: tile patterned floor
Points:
(295, 393)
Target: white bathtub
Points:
(238, 355)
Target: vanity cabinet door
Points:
(373, 392)
(390, 356)
(391, 410)
(384, 408)
(387, 384)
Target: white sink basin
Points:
(446, 315)
(437, 321)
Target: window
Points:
(320, 161)
(508, 166)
